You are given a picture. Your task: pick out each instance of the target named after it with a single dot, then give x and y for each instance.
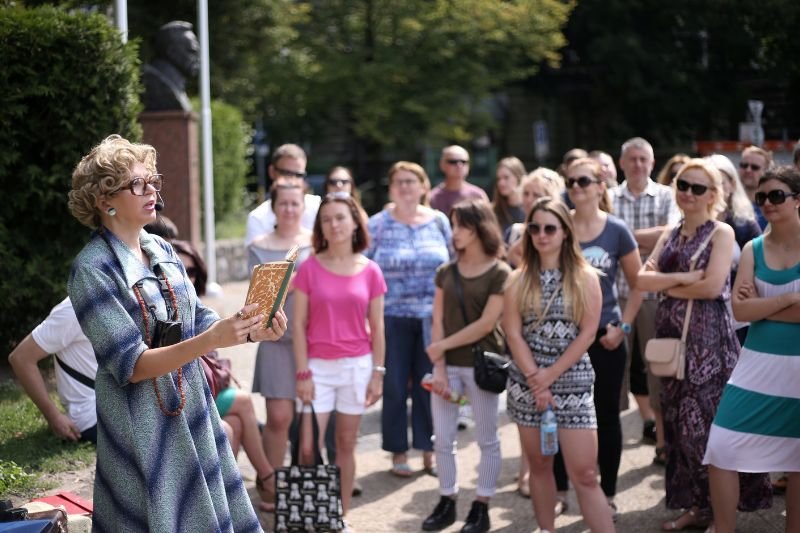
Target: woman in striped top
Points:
(757, 426)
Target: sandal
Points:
(691, 519)
(266, 491)
(779, 485)
(614, 511)
(401, 470)
(561, 506)
(661, 456)
(428, 466)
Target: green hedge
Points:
(230, 138)
(66, 83)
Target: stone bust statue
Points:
(177, 58)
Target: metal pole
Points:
(208, 160)
(121, 16)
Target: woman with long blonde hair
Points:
(551, 312)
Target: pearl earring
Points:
(111, 211)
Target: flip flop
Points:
(431, 471)
(401, 470)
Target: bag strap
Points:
(296, 444)
(547, 308)
(692, 263)
(213, 362)
(74, 374)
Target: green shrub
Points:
(12, 477)
(66, 83)
(230, 137)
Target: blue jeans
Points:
(406, 340)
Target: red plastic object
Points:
(73, 503)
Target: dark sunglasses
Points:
(290, 173)
(535, 229)
(697, 189)
(191, 272)
(744, 166)
(583, 182)
(775, 197)
(339, 182)
(457, 161)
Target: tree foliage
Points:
(230, 138)
(386, 72)
(676, 71)
(67, 82)
(395, 72)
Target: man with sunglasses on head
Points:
(454, 163)
(647, 208)
(288, 165)
(754, 163)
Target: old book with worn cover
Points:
(269, 284)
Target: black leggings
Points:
(609, 369)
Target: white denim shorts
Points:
(341, 384)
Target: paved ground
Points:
(390, 504)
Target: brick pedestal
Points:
(174, 136)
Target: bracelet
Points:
(303, 375)
(380, 369)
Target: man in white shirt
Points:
(288, 163)
(75, 368)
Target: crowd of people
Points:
(569, 274)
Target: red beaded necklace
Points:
(145, 315)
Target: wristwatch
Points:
(625, 327)
(379, 369)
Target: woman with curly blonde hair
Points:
(163, 460)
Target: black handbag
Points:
(491, 369)
(308, 497)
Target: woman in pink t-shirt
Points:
(339, 359)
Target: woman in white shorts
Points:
(339, 360)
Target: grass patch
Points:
(27, 442)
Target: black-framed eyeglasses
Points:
(697, 189)
(744, 165)
(582, 181)
(775, 197)
(339, 182)
(457, 161)
(138, 186)
(290, 173)
(535, 229)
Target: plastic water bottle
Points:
(427, 384)
(549, 433)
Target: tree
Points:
(67, 82)
(393, 73)
(674, 72)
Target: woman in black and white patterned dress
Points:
(551, 312)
